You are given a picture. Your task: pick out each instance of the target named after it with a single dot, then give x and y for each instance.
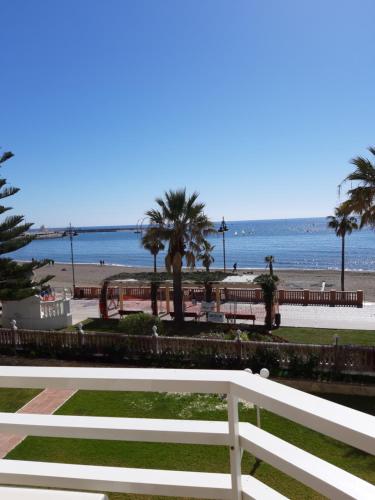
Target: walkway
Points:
(307, 316)
(47, 402)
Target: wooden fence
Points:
(350, 359)
(245, 295)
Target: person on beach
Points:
(235, 267)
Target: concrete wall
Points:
(34, 314)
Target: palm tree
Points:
(205, 255)
(180, 221)
(268, 283)
(270, 260)
(152, 242)
(342, 224)
(362, 197)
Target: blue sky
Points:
(258, 105)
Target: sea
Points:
(294, 243)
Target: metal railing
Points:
(349, 426)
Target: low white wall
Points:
(34, 314)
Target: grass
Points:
(302, 335)
(12, 400)
(189, 457)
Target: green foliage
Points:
(13, 399)
(362, 195)
(140, 324)
(16, 279)
(180, 222)
(265, 357)
(151, 241)
(205, 255)
(303, 366)
(270, 260)
(341, 223)
(268, 283)
(305, 335)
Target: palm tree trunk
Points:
(208, 290)
(271, 269)
(269, 315)
(154, 298)
(342, 263)
(177, 294)
(155, 263)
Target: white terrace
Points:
(346, 425)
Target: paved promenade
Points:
(46, 403)
(309, 316)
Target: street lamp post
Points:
(71, 234)
(223, 229)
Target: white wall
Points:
(34, 314)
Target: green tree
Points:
(151, 241)
(361, 198)
(205, 255)
(342, 224)
(268, 284)
(270, 260)
(180, 221)
(16, 279)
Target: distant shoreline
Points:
(229, 269)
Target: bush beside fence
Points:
(298, 359)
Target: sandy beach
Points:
(93, 275)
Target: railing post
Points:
(14, 327)
(359, 298)
(306, 297)
(155, 336)
(281, 298)
(80, 334)
(239, 345)
(235, 450)
(332, 298)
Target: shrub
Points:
(140, 324)
(264, 358)
(303, 366)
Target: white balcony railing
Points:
(350, 426)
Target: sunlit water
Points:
(295, 243)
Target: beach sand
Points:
(93, 275)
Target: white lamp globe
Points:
(264, 373)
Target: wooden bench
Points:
(250, 317)
(126, 312)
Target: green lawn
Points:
(12, 400)
(188, 457)
(325, 335)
